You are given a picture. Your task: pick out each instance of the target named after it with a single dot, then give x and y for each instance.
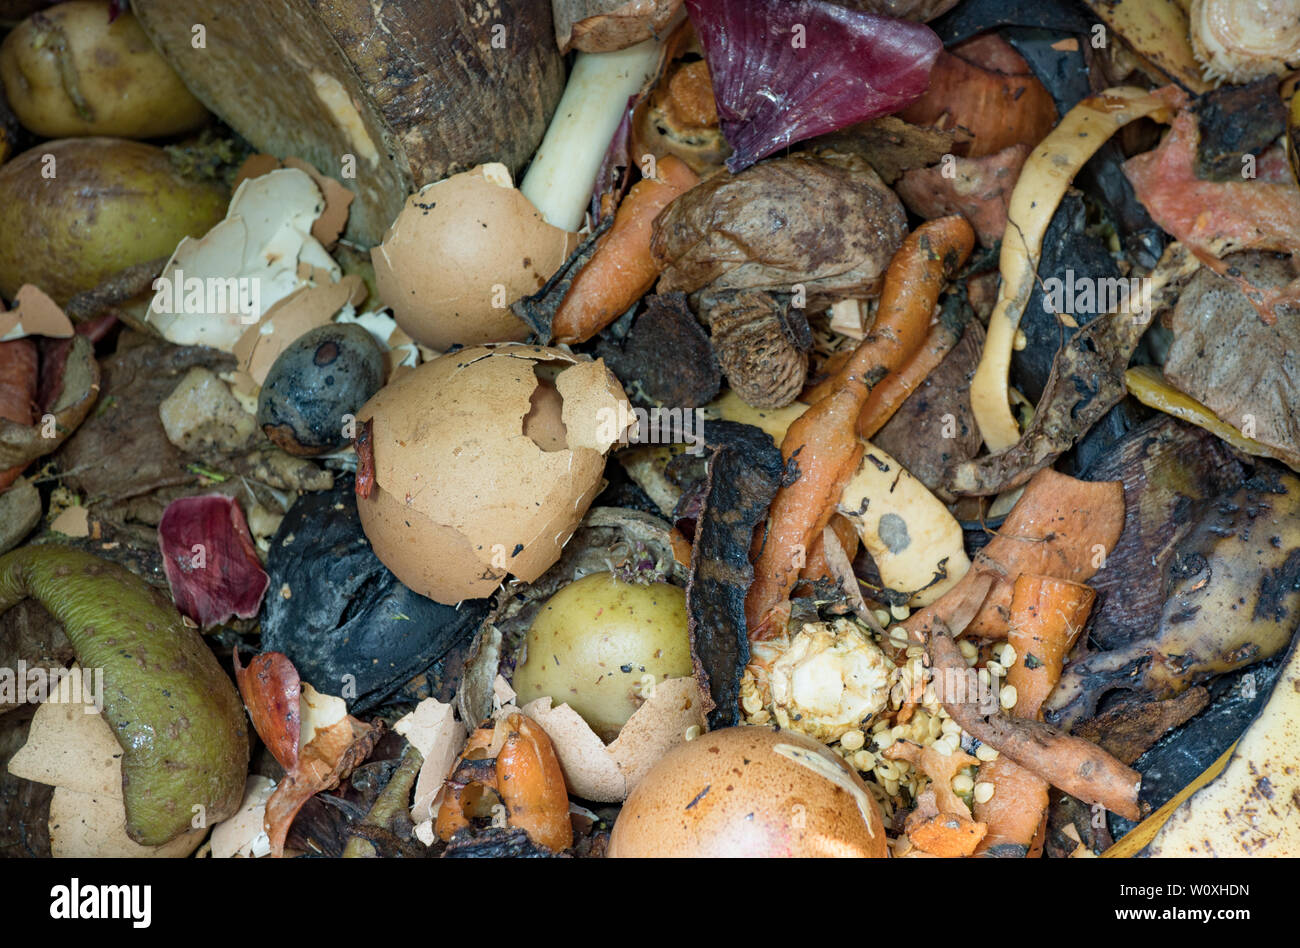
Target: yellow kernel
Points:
(762, 717)
(962, 783)
(692, 732)
(864, 760)
(968, 649)
(1007, 696)
(900, 612)
(1007, 654)
(882, 617)
(752, 703)
(986, 753)
(852, 740)
(983, 792)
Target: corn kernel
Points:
(983, 792)
(1007, 696)
(962, 783)
(852, 740)
(986, 753)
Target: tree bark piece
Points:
(413, 90)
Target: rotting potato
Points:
(69, 71)
(598, 642)
(75, 211)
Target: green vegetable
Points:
(175, 712)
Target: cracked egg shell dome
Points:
(485, 460)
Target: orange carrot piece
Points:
(622, 269)
(823, 441)
(1015, 811)
(817, 568)
(1077, 766)
(1061, 527)
(1047, 616)
(886, 397)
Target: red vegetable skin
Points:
(210, 561)
(786, 70)
(272, 692)
(17, 391)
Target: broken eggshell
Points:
(483, 468)
(214, 288)
(637, 547)
(323, 376)
(336, 610)
(75, 751)
(460, 252)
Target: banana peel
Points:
(1247, 803)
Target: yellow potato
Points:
(76, 211)
(599, 643)
(68, 72)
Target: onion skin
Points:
(984, 86)
(786, 70)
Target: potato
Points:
(67, 71)
(75, 211)
(594, 643)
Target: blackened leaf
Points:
(336, 610)
(495, 843)
(744, 472)
(668, 353)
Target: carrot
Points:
(898, 386)
(823, 443)
(1060, 527)
(1015, 811)
(1046, 617)
(1079, 767)
(621, 270)
(895, 388)
(18, 375)
(817, 568)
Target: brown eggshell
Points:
(607, 773)
(462, 494)
(454, 243)
(750, 791)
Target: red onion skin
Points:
(211, 563)
(787, 70)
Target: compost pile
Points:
(592, 428)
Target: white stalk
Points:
(564, 170)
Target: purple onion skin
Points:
(211, 563)
(787, 70)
